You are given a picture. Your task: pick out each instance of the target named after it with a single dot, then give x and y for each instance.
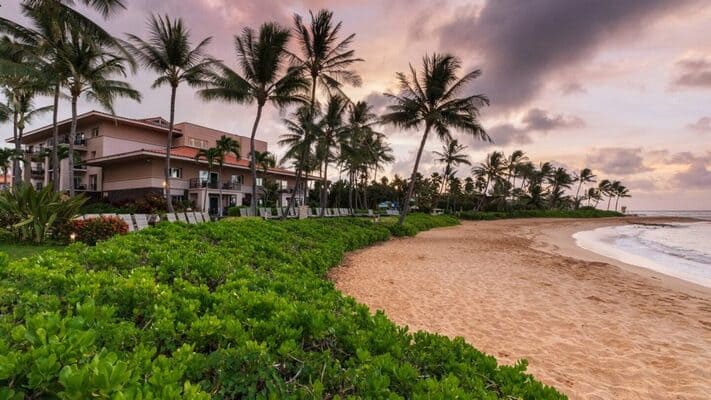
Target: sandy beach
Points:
(590, 326)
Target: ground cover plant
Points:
(235, 309)
(582, 213)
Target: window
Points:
(94, 132)
(199, 143)
(259, 182)
(176, 172)
(93, 182)
(237, 179)
(203, 176)
(283, 185)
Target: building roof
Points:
(181, 153)
(96, 115)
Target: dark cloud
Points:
(378, 101)
(571, 88)
(693, 72)
(403, 166)
(539, 120)
(617, 160)
(507, 134)
(696, 176)
(641, 185)
(524, 43)
(703, 125)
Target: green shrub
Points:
(93, 230)
(234, 309)
(37, 213)
(581, 213)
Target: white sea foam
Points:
(681, 250)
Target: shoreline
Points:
(590, 326)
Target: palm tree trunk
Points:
(350, 190)
(609, 199)
(411, 186)
(168, 147)
(577, 193)
(55, 138)
(205, 206)
(219, 191)
(616, 200)
(253, 164)
(365, 190)
(16, 175)
(324, 191)
(72, 135)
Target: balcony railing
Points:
(196, 183)
(65, 140)
(37, 172)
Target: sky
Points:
(622, 87)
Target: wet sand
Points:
(592, 327)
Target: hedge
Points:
(232, 309)
(492, 215)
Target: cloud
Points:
(693, 72)
(570, 88)
(696, 176)
(506, 134)
(641, 185)
(378, 101)
(403, 166)
(539, 120)
(703, 125)
(617, 160)
(523, 44)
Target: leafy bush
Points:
(417, 222)
(37, 212)
(582, 213)
(234, 309)
(106, 208)
(93, 230)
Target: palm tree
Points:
(265, 161)
(51, 20)
(516, 158)
(211, 155)
(584, 176)
(326, 60)
(491, 170)
(264, 78)
(451, 155)
(169, 53)
(593, 194)
(431, 100)
(332, 129)
(7, 157)
(299, 140)
(90, 67)
(605, 189)
(559, 180)
(227, 146)
(620, 191)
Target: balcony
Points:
(80, 167)
(79, 142)
(196, 183)
(37, 173)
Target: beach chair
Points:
(311, 213)
(200, 217)
(79, 217)
(171, 217)
(141, 221)
(291, 212)
(331, 212)
(345, 212)
(371, 213)
(191, 217)
(90, 216)
(108, 215)
(266, 213)
(128, 220)
(206, 216)
(181, 217)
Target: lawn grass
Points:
(22, 250)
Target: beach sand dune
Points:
(522, 289)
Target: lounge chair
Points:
(128, 220)
(345, 212)
(266, 213)
(141, 221)
(291, 212)
(246, 212)
(181, 217)
(108, 215)
(90, 216)
(311, 213)
(192, 219)
(205, 216)
(171, 217)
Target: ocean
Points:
(681, 250)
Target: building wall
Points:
(212, 135)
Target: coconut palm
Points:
(227, 146)
(90, 68)
(332, 129)
(212, 156)
(620, 191)
(299, 140)
(265, 161)
(327, 60)
(584, 176)
(516, 158)
(593, 194)
(7, 158)
(169, 53)
(46, 36)
(491, 170)
(264, 77)
(605, 189)
(431, 99)
(559, 180)
(451, 155)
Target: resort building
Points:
(122, 159)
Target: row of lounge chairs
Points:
(267, 213)
(136, 222)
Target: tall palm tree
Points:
(559, 180)
(265, 161)
(491, 170)
(7, 158)
(452, 156)
(227, 146)
(605, 188)
(90, 68)
(620, 191)
(50, 21)
(432, 100)
(332, 129)
(263, 77)
(170, 54)
(593, 194)
(584, 176)
(516, 158)
(212, 156)
(299, 140)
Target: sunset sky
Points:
(623, 87)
